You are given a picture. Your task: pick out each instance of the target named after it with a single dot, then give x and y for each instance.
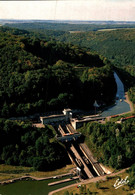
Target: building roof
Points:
(67, 110)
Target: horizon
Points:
(91, 10)
(12, 19)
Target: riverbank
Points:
(129, 102)
(8, 172)
(122, 103)
(34, 178)
(121, 107)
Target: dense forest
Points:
(22, 144)
(112, 143)
(117, 45)
(114, 41)
(38, 75)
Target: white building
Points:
(67, 115)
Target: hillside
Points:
(116, 43)
(38, 75)
(107, 142)
(41, 154)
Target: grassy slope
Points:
(10, 172)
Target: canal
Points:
(120, 105)
(31, 187)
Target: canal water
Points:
(31, 187)
(120, 105)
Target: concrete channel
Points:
(80, 154)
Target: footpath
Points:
(32, 177)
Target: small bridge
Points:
(69, 137)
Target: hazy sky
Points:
(69, 10)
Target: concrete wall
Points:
(47, 120)
(76, 124)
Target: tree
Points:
(82, 189)
(5, 110)
(66, 193)
(88, 191)
(97, 185)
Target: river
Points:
(120, 106)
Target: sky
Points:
(118, 10)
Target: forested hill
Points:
(116, 42)
(38, 75)
(117, 45)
